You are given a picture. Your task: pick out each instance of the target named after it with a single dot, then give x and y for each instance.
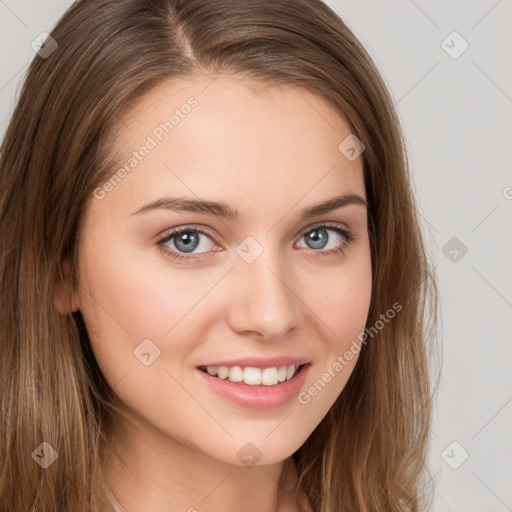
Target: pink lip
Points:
(260, 362)
(257, 397)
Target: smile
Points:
(252, 376)
(255, 394)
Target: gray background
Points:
(457, 117)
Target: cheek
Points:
(117, 304)
(341, 305)
(128, 298)
(134, 295)
(345, 301)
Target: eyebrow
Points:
(219, 209)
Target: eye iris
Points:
(189, 238)
(318, 237)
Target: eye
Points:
(181, 243)
(318, 237)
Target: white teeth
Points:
(269, 376)
(223, 372)
(236, 374)
(254, 376)
(290, 372)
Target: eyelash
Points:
(349, 238)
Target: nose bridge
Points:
(263, 300)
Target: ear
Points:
(65, 298)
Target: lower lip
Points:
(257, 397)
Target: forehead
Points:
(232, 139)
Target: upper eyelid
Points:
(186, 228)
(328, 224)
(207, 231)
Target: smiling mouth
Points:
(251, 376)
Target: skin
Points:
(268, 153)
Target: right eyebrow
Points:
(183, 204)
(220, 209)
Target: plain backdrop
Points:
(448, 67)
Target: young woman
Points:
(215, 292)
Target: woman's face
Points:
(274, 282)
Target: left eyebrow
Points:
(332, 204)
(219, 209)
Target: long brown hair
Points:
(369, 452)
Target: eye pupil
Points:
(189, 239)
(318, 237)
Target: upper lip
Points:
(261, 362)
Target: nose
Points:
(262, 297)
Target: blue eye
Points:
(319, 237)
(184, 241)
(181, 243)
